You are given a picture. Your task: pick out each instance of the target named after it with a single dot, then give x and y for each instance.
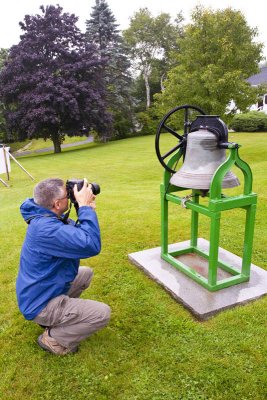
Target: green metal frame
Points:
(217, 204)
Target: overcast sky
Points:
(13, 11)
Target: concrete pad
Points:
(201, 302)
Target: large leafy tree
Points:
(152, 40)
(102, 31)
(218, 54)
(52, 83)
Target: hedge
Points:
(253, 121)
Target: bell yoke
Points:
(205, 171)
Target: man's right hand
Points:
(85, 196)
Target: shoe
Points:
(50, 344)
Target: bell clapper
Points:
(185, 199)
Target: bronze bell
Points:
(203, 157)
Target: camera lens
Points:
(95, 188)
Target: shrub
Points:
(148, 123)
(253, 121)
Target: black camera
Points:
(79, 182)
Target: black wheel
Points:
(168, 125)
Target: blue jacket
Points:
(51, 254)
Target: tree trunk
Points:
(147, 72)
(147, 91)
(57, 142)
(162, 78)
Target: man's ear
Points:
(56, 204)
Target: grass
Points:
(153, 348)
(37, 144)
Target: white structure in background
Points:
(4, 160)
(256, 80)
(261, 104)
(5, 163)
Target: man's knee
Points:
(86, 276)
(102, 315)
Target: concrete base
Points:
(201, 302)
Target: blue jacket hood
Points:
(29, 209)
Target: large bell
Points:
(203, 157)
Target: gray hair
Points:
(46, 192)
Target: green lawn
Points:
(153, 348)
(37, 144)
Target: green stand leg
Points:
(248, 240)
(164, 221)
(194, 222)
(214, 248)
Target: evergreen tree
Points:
(51, 84)
(102, 31)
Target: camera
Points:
(79, 182)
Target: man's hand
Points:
(85, 196)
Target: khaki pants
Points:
(71, 319)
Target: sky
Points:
(13, 11)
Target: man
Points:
(50, 280)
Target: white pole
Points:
(4, 183)
(4, 152)
(13, 158)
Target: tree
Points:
(218, 54)
(101, 28)
(52, 84)
(3, 127)
(139, 89)
(102, 31)
(152, 40)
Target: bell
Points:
(202, 158)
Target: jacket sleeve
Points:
(54, 238)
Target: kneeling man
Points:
(50, 280)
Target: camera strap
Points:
(66, 216)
